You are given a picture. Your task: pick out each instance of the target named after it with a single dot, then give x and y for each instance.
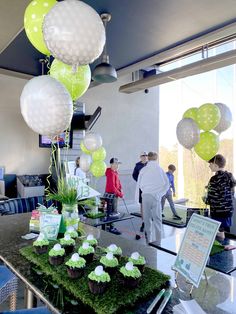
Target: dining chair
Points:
(8, 286)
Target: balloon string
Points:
(67, 146)
(198, 190)
(48, 64)
(53, 149)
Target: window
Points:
(193, 173)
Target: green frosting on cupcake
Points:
(40, 242)
(118, 251)
(73, 234)
(135, 273)
(83, 251)
(63, 241)
(60, 252)
(92, 242)
(78, 264)
(109, 263)
(103, 278)
(139, 261)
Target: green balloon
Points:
(84, 149)
(98, 168)
(33, 23)
(208, 145)
(99, 154)
(76, 82)
(191, 113)
(208, 117)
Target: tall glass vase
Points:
(70, 216)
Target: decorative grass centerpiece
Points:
(66, 194)
(117, 298)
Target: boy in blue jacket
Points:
(168, 195)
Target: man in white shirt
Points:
(153, 183)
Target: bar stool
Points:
(8, 286)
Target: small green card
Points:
(49, 225)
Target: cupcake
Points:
(72, 232)
(41, 244)
(130, 275)
(110, 262)
(98, 280)
(138, 261)
(56, 255)
(68, 244)
(87, 252)
(75, 266)
(91, 240)
(115, 250)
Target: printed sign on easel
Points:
(196, 247)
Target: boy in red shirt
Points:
(113, 186)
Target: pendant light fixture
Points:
(105, 72)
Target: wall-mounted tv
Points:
(60, 140)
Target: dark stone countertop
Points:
(218, 296)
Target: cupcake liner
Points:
(56, 260)
(41, 249)
(88, 257)
(75, 272)
(141, 268)
(111, 270)
(97, 287)
(68, 249)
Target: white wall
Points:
(20, 152)
(128, 125)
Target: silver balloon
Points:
(188, 133)
(226, 118)
(46, 106)
(74, 32)
(85, 162)
(92, 141)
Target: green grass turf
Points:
(116, 298)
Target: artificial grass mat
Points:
(116, 297)
(92, 216)
(217, 247)
(169, 215)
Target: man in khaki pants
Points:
(153, 183)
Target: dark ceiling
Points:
(138, 30)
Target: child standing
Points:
(220, 193)
(168, 195)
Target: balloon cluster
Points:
(73, 33)
(93, 155)
(212, 119)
